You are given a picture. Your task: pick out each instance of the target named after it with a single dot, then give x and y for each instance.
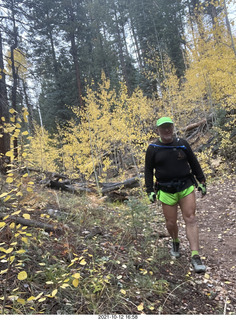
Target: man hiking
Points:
(174, 165)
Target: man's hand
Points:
(202, 188)
(152, 197)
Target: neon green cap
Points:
(164, 120)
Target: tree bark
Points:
(229, 28)
(4, 113)
(74, 54)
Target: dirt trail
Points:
(216, 214)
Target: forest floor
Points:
(120, 255)
(216, 213)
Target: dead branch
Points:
(32, 223)
(194, 125)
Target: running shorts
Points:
(172, 198)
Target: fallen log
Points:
(64, 186)
(129, 183)
(194, 125)
(83, 187)
(32, 223)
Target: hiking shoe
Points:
(197, 264)
(174, 251)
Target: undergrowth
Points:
(107, 258)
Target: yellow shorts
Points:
(172, 198)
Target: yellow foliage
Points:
(109, 122)
(42, 151)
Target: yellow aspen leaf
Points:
(7, 198)
(12, 225)
(24, 133)
(26, 216)
(16, 213)
(206, 276)
(151, 308)
(18, 126)
(25, 175)
(31, 298)
(123, 291)
(67, 280)
(140, 307)
(41, 299)
(54, 292)
(64, 285)
(25, 114)
(3, 119)
(75, 283)
(39, 295)
(76, 275)
(13, 243)
(25, 240)
(2, 249)
(9, 180)
(49, 282)
(12, 259)
(12, 110)
(31, 182)
(2, 224)
(24, 154)
(29, 189)
(9, 250)
(3, 271)
(22, 275)
(83, 262)
(3, 194)
(20, 251)
(21, 301)
(19, 194)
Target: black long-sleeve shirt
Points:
(175, 160)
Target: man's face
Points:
(166, 132)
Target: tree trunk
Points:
(74, 54)
(77, 71)
(4, 113)
(29, 108)
(14, 72)
(136, 43)
(229, 28)
(121, 55)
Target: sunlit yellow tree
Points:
(110, 122)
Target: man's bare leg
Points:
(170, 213)
(188, 208)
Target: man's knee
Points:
(170, 224)
(190, 218)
